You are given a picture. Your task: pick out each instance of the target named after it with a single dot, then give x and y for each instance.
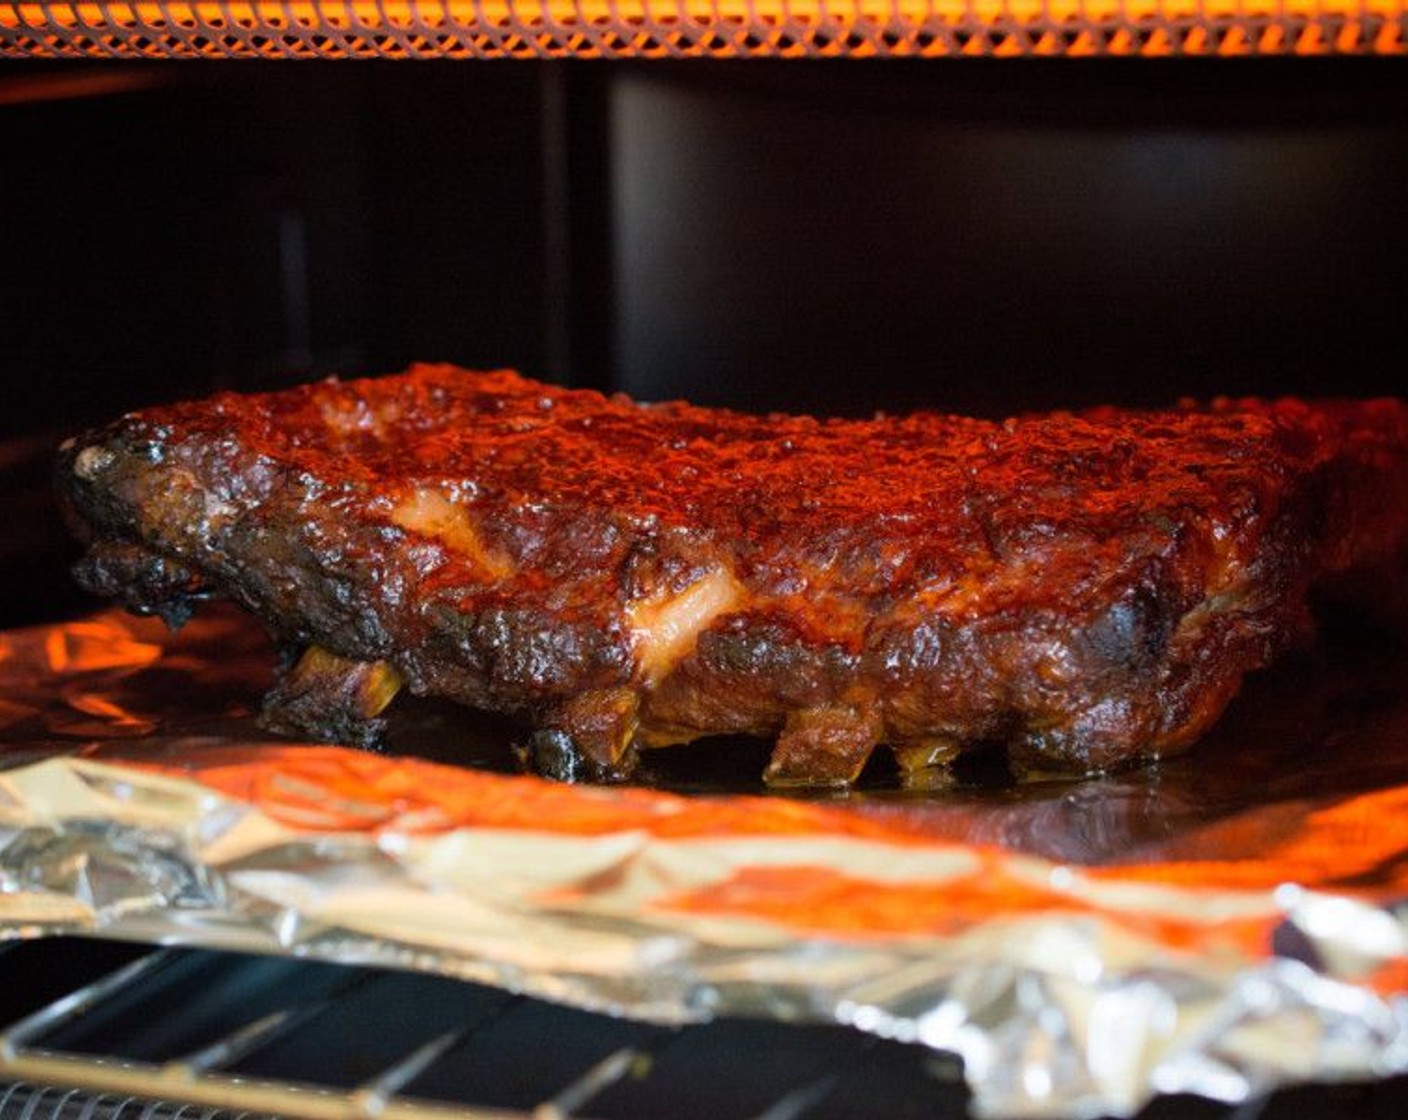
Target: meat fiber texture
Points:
(1082, 589)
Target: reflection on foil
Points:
(1219, 925)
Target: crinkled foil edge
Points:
(1106, 993)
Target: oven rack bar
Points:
(199, 1079)
(51, 1068)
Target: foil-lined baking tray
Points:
(1220, 924)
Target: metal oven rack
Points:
(121, 1032)
(102, 1031)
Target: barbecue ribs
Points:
(1085, 589)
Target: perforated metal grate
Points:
(700, 28)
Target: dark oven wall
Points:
(835, 237)
(993, 238)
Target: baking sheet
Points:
(1218, 924)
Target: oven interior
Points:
(837, 237)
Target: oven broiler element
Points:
(699, 28)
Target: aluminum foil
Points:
(1218, 925)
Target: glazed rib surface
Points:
(1086, 589)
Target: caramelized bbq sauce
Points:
(907, 505)
(899, 506)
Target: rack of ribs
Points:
(1085, 589)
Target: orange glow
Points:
(821, 900)
(32, 88)
(333, 788)
(98, 644)
(693, 28)
(98, 715)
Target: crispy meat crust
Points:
(1087, 588)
